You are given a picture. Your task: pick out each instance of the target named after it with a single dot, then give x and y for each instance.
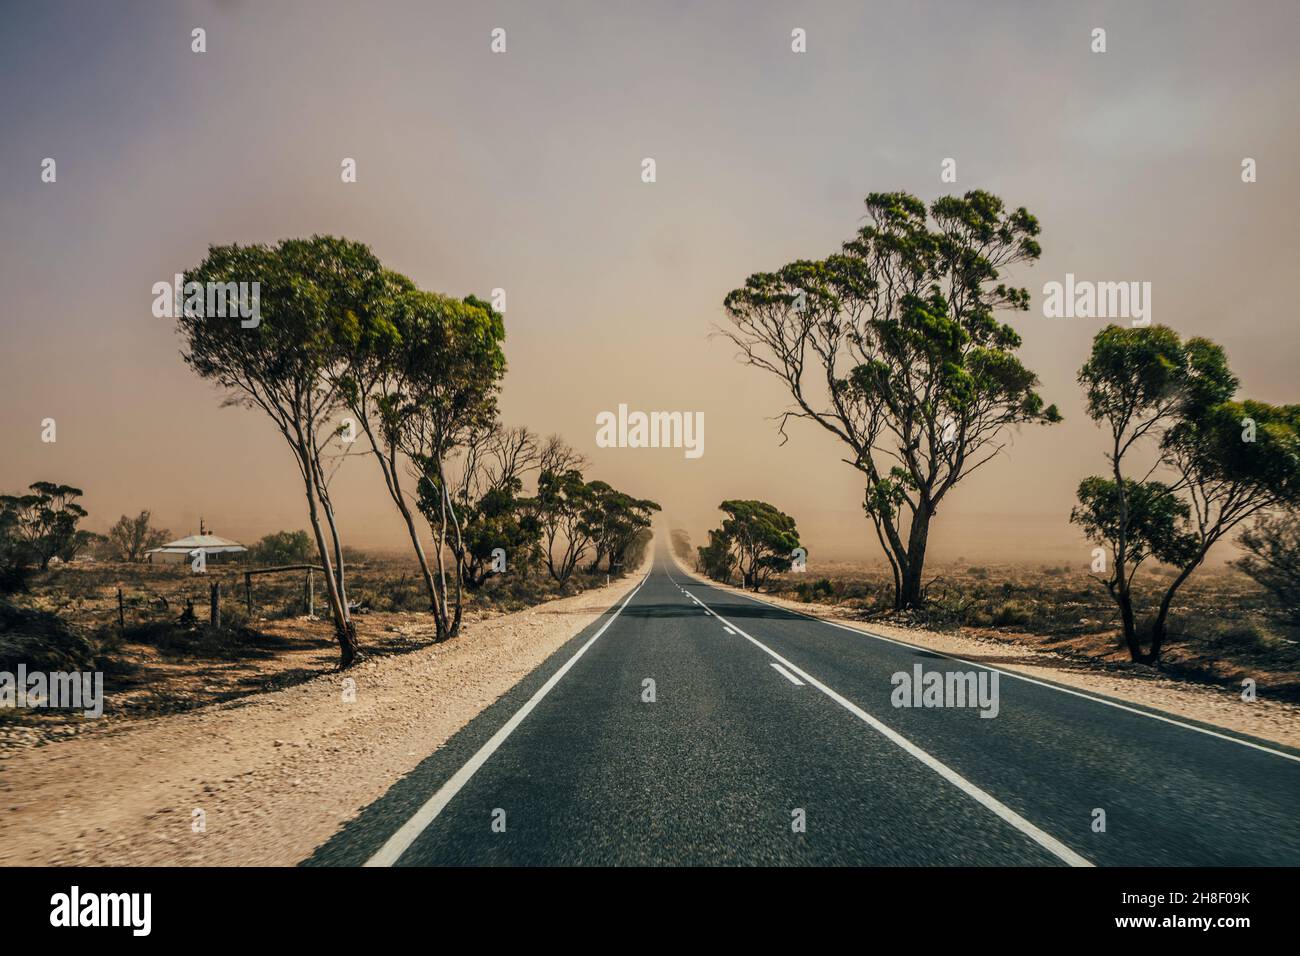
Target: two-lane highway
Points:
(695, 725)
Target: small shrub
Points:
(1013, 613)
(41, 640)
(820, 590)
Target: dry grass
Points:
(1223, 627)
(155, 665)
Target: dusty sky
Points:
(522, 171)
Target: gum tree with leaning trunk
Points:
(310, 291)
(373, 373)
(453, 365)
(892, 346)
(1220, 462)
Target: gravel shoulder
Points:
(274, 774)
(1268, 720)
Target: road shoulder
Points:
(270, 777)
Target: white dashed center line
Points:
(786, 674)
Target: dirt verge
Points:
(273, 774)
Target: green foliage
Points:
(756, 539)
(37, 527)
(1227, 460)
(283, 547)
(496, 520)
(613, 520)
(893, 346)
(451, 367)
(1148, 514)
(716, 559)
(314, 294)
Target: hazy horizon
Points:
(522, 171)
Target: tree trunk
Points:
(349, 646)
(1159, 629)
(323, 493)
(425, 573)
(1129, 623)
(1123, 596)
(392, 481)
(441, 615)
(344, 630)
(911, 594)
(454, 629)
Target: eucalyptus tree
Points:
(716, 559)
(374, 370)
(1272, 558)
(453, 368)
(311, 291)
(892, 346)
(562, 508)
(130, 538)
(1217, 461)
(41, 526)
(488, 495)
(762, 539)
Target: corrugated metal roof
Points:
(208, 542)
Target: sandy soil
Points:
(276, 773)
(1273, 720)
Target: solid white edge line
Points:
(985, 799)
(1027, 679)
(786, 674)
(400, 842)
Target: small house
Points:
(182, 550)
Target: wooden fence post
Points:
(248, 592)
(121, 612)
(311, 595)
(214, 609)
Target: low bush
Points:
(42, 641)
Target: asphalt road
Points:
(763, 720)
